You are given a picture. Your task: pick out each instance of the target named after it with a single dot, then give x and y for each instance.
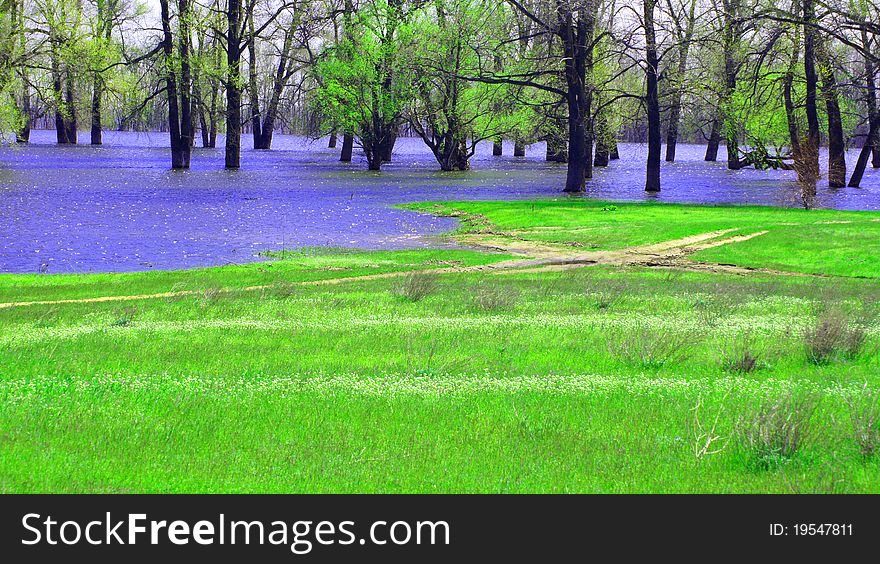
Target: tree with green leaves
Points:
(365, 81)
(450, 113)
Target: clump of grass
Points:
(125, 317)
(864, 414)
(491, 297)
(210, 296)
(416, 286)
(739, 355)
(284, 290)
(777, 428)
(834, 334)
(47, 319)
(607, 294)
(651, 348)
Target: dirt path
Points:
(536, 257)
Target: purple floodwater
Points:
(119, 208)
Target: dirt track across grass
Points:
(667, 254)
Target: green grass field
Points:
(600, 378)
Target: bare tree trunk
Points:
(497, 149)
(519, 149)
(652, 101)
(185, 89)
(332, 143)
(577, 47)
(603, 155)
(233, 89)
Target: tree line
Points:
(772, 80)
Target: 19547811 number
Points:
(812, 529)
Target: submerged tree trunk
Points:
(864, 154)
(808, 169)
(714, 141)
(179, 122)
(652, 101)
(105, 17)
(556, 150)
(23, 133)
(497, 149)
(70, 101)
(332, 143)
(253, 92)
(603, 155)
(730, 38)
(347, 147)
(875, 142)
(97, 130)
(871, 102)
(602, 134)
(519, 149)
(233, 88)
(730, 126)
(577, 46)
(387, 148)
(62, 109)
(684, 36)
(282, 75)
(836, 143)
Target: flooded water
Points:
(119, 207)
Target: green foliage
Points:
(364, 80)
(450, 113)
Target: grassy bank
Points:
(598, 378)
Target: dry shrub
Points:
(740, 355)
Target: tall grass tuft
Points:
(491, 297)
(833, 335)
(651, 348)
(416, 286)
(864, 414)
(777, 428)
(739, 355)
